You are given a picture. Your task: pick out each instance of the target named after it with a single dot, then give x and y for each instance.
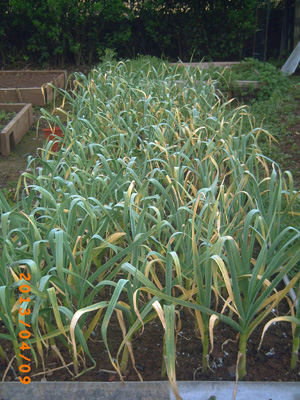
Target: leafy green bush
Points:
(77, 31)
(67, 30)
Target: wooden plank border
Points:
(14, 131)
(36, 95)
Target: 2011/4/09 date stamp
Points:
(25, 333)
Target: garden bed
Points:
(151, 248)
(239, 84)
(35, 87)
(14, 131)
(207, 65)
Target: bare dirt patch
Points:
(20, 79)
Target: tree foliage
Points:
(58, 31)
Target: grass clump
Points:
(5, 117)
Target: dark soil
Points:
(271, 363)
(292, 148)
(21, 79)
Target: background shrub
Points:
(76, 31)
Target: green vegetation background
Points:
(76, 31)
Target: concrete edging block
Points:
(149, 391)
(85, 390)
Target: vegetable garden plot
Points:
(35, 87)
(160, 197)
(224, 69)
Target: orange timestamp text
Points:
(25, 333)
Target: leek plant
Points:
(158, 199)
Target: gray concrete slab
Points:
(148, 391)
(85, 391)
(245, 391)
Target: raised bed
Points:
(30, 86)
(243, 84)
(13, 132)
(206, 65)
